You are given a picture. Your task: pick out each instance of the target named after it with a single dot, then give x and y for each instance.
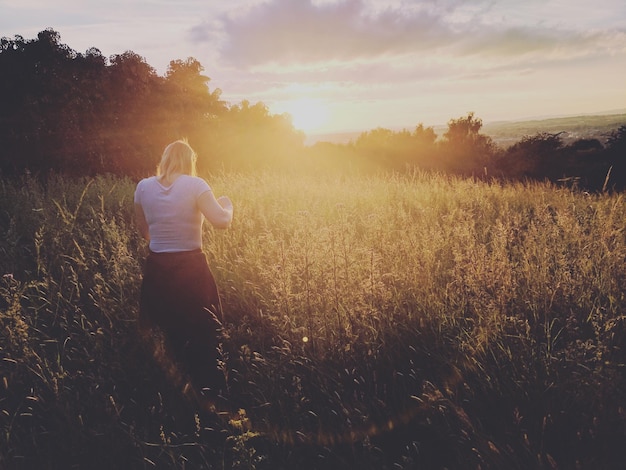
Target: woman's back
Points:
(172, 213)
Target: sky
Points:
(355, 65)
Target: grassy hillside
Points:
(573, 128)
(506, 133)
(375, 323)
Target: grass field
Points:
(380, 322)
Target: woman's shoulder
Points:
(147, 181)
(195, 182)
(143, 187)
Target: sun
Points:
(307, 114)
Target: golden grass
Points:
(414, 320)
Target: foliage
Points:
(373, 322)
(249, 138)
(465, 150)
(616, 157)
(534, 156)
(82, 114)
(86, 115)
(398, 150)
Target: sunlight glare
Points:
(307, 114)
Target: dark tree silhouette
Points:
(615, 157)
(532, 157)
(398, 151)
(34, 77)
(192, 105)
(248, 137)
(464, 150)
(83, 114)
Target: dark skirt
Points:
(180, 297)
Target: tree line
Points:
(463, 150)
(83, 113)
(86, 114)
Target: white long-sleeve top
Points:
(174, 214)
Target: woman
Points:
(178, 292)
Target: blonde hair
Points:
(178, 157)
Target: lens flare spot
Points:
(307, 114)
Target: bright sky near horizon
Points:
(354, 65)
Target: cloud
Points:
(287, 32)
(311, 34)
(531, 44)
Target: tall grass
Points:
(372, 322)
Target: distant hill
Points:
(506, 133)
(573, 128)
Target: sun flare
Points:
(308, 115)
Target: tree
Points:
(616, 158)
(581, 163)
(397, 150)
(35, 90)
(194, 102)
(378, 146)
(189, 106)
(423, 141)
(536, 157)
(79, 113)
(464, 149)
(128, 131)
(248, 137)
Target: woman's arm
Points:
(140, 220)
(219, 212)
